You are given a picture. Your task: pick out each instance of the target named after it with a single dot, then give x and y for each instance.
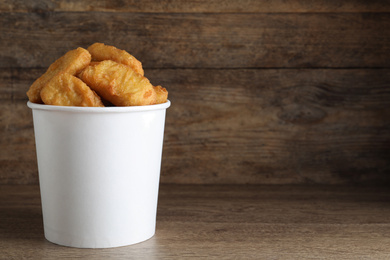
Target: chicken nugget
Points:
(68, 90)
(119, 84)
(71, 63)
(100, 52)
(162, 94)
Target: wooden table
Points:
(225, 222)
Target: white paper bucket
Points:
(99, 172)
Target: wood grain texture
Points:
(271, 92)
(199, 6)
(279, 126)
(184, 40)
(244, 126)
(225, 222)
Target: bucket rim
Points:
(114, 109)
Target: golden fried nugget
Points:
(68, 90)
(100, 52)
(162, 94)
(119, 84)
(72, 62)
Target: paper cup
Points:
(99, 171)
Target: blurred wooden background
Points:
(269, 92)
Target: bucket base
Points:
(94, 242)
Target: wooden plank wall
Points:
(269, 92)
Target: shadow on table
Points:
(21, 223)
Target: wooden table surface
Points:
(225, 222)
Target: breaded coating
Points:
(162, 94)
(68, 90)
(100, 52)
(119, 84)
(71, 63)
